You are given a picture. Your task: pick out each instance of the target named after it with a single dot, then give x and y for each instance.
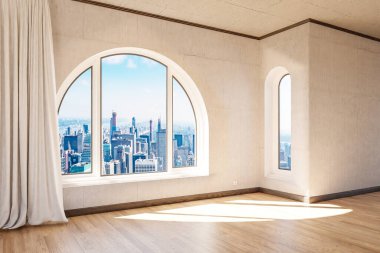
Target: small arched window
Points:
(285, 123)
(131, 111)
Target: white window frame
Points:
(173, 71)
(272, 138)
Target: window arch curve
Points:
(272, 88)
(134, 126)
(285, 123)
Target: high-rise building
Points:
(190, 159)
(113, 125)
(119, 155)
(161, 148)
(193, 145)
(134, 122)
(150, 131)
(147, 140)
(85, 128)
(86, 155)
(135, 157)
(128, 159)
(178, 162)
(109, 168)
(159, 125)
(146, 165)
(179, 139)
(124, 139)
(73, 142)
(183, 153)
(117, 167)
(107, 155)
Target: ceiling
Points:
(259, 17)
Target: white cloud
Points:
(131, 64)
(115, 59)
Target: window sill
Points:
(90, 180)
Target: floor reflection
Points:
(242, 211)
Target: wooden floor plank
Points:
(209, 226)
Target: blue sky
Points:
(132, 86)
(285, 105)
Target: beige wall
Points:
(289, 50)
(224, 67)
(344, 111)
(335, 101)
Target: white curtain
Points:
(30, 186)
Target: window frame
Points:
(195, 130)
(279, 120)
(173, 71)
(59, 107)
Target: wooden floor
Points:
(246, 223)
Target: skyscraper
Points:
(134, 122)
(159, 125)
(135, 157)
(113, 126)
(161, 147)
(151, 130)
(85, 128)
(119, 154)
(179, 139)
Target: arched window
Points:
(284, 123)
(74, 121)
(128, 111)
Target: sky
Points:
(77, 100)
(285, 105)
(132, 86)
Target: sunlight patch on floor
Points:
(279, 203)
(243, 211)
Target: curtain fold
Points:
(30, 183)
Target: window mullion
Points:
(169, 123)
(96, 120)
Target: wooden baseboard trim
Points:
(284, 194)
(173, 200)
(344, 194)
(156, 202)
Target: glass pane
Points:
(184, 129)
(133, 115)
(285, 123)
(74, 121)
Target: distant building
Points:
(179, 139)
(136, 157)
(80, 168)
(75, 158)
(148, 141)
(107, 155)
(119, 155)
(86, 155)
(109, 168)
(146, 165)
(85, 128)
(178, 161)
(113, 125)
(161, 148)
(73, 142)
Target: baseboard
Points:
(173, 200)
(344, 194)
(284, 194)
(156, 202)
